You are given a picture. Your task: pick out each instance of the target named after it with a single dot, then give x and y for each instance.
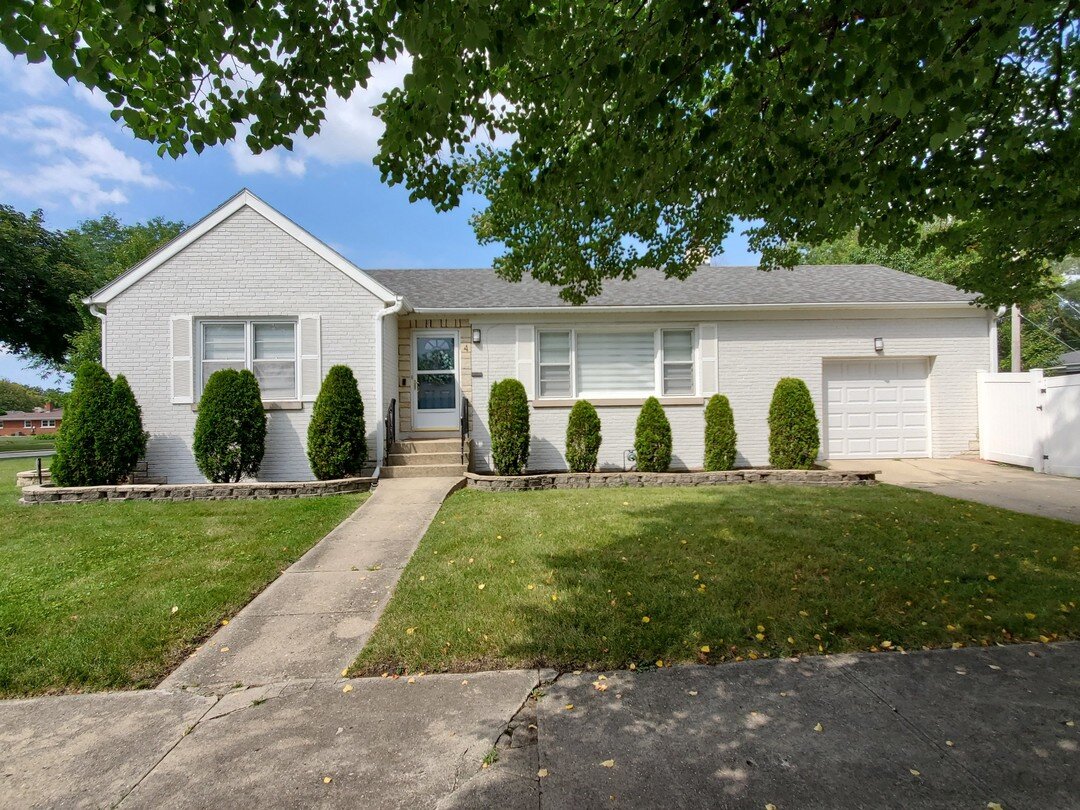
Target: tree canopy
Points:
(38, 273)
(637, 132)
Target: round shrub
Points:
(336, 440)
(230, 431)
(652, 438)
(82, 442)
(582, 437)
(508, 420)
(128, 439)
(719, 434)
(793, 426)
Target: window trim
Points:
(48, 423)
(249, 348)
(658, 363)
(28, 424)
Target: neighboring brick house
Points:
(31, 423)
(890, 358)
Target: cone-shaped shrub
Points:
(508, 421)
(83, 438)
(582, 437)
(127, 442)
(793, 426)
(652, 437)
(336, 444)
(719, 434)
(230, 431)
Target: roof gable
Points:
(243, 199)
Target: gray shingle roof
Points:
(708, 286)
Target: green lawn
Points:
(87, 591)
(610, 578)
(11, 443)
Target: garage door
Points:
(876, 408)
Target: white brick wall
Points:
(754, 351)
(244, 267)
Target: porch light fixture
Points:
(475, 335)
(879, 344)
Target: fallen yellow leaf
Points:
(480, 587)
(660, 663)
(886, 644)
(819, 727)
(411, 680)
(914, 772)
(542, 772)
(991, 578)
(705, 649)
(410, 630)
(645, 619)
(1030, 616)
(344, 672)
(224, 649)
(569, 707)
(327, 780)
(608, 763)
(347, 687)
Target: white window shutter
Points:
(708, 348)
(182, 371)
(526, 353)
(310, 357)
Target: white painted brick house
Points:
(890, 359)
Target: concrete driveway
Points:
(983, 481)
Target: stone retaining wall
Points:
(828, 478)
(245, 490)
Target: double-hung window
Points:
(612, 364)
(48, 423)
(265, 347)
(28, 423)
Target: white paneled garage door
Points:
(877, 408)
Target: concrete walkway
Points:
(314, 619)
(981, 481)
(945, 729)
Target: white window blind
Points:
(615, 362)
(554, 363)
(223, 346)
(678, 348)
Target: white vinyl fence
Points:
(1031, 420)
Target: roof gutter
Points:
(701, 307)
(380, 407)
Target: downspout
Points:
(100, 315)
(380, 405)
(994, 340)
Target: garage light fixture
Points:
(879, 344)
(475, 335)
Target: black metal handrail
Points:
(391, 426)
(464, 425)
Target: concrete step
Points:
(423, 471)
(425, 446)
(412, 459)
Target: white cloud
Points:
(65, 159)
(349, 134)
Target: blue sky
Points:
(61, 152)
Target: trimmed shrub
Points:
(508, 421)
(230, 431)
(83, 439)
(793, 426)
(652, 437)
(127, 442)
(582, 437)
(336, 440)
(719, 434)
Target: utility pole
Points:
(1014, 334)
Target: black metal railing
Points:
(464, 426)
(391, 426)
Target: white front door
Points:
(877, 408)
(435, 381)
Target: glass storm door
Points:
(435, 375)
